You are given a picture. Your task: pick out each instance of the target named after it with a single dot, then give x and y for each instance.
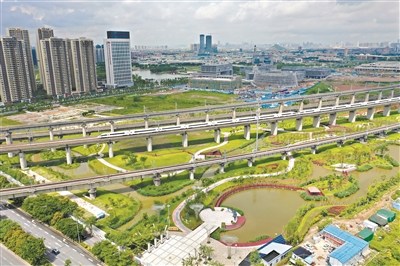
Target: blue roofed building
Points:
(350, 249)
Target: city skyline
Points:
(178, 25)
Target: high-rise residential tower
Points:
(201, 49)
(15, 79)
(82, 66)
(42, 34)
(23, 35)
(117, 55)
(55, 66)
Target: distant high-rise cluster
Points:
(117, 55)
(17, 80)
(99, 53)
(66, 65)
(206, 47)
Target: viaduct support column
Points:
(284, 155)
(9, 142)
(222, 168)
(274, 128)
(157, 179)
(247, 132)
(340, 143)
(366, 97)
(299, 123)
(92, 193)
(68, 154)
(337, 101)
(250, 162)
(352, 116)
(185, 139)
(316, 121)
(353, 99)
(112, 128)
(314, 149)
(386, 110)
(207, 117)
(332, 119)
(301, 107)
(319, 103)
(280, 108)
(110, 150)
(191, 174)
(146, 122)
(233, 113)
(391, 94)
(380, 95)
(51, 134)
(149, 143)
(22, 160)
(178, 120)
(217, 135)
(370, 113)
(84, 134)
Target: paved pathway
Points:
(11, 179)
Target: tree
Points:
(90, 222)
(67, 262)
(381, 149)
(143, 160)
(254, 257)
(70, 228)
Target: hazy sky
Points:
(180, 22)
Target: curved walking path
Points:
(176, 213)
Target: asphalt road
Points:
(68, 250)
(8, 258)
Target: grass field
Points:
(139, 104)
(4, 122)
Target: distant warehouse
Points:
(379, 68)
(218, 83)
(310, 72)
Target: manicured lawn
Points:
(120, 207)
(4, 122)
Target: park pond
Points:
(267, 211)
(146, 74)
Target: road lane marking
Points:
(67, 245)
(90, 259)
(82, 254)
(46, 232)
(53, 237)
(58, 244)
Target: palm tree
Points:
(381, 149)
(90, 222)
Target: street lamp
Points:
(168, 214)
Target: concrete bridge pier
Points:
(222, 168)
(363, 139)
(250, 162)
(274, 128)
(178, 119)
(366, 97)
(247, 132)
(157, 179)
(340, 143)
(68, 154)
(191, 174)
(217, 135)
(110, 149)
(386, 110)
(51, 134)
(284, 155)
(185, 141)
(149, 143)
(314, 149)
(319, 103)
(301, 106)
(280, 108)
(207, 117)
(353, 98)
(9, 142)
(112, 128)
(316, 121)
(352, 116)
(370, 113)
(92, 193)
(299, 123)
(337, 101)
(233, 113)
(84, 134)
(332, 119)
(391, 94)
(380, 95)
(146, 122)
(22, 160)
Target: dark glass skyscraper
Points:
(208, 43)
